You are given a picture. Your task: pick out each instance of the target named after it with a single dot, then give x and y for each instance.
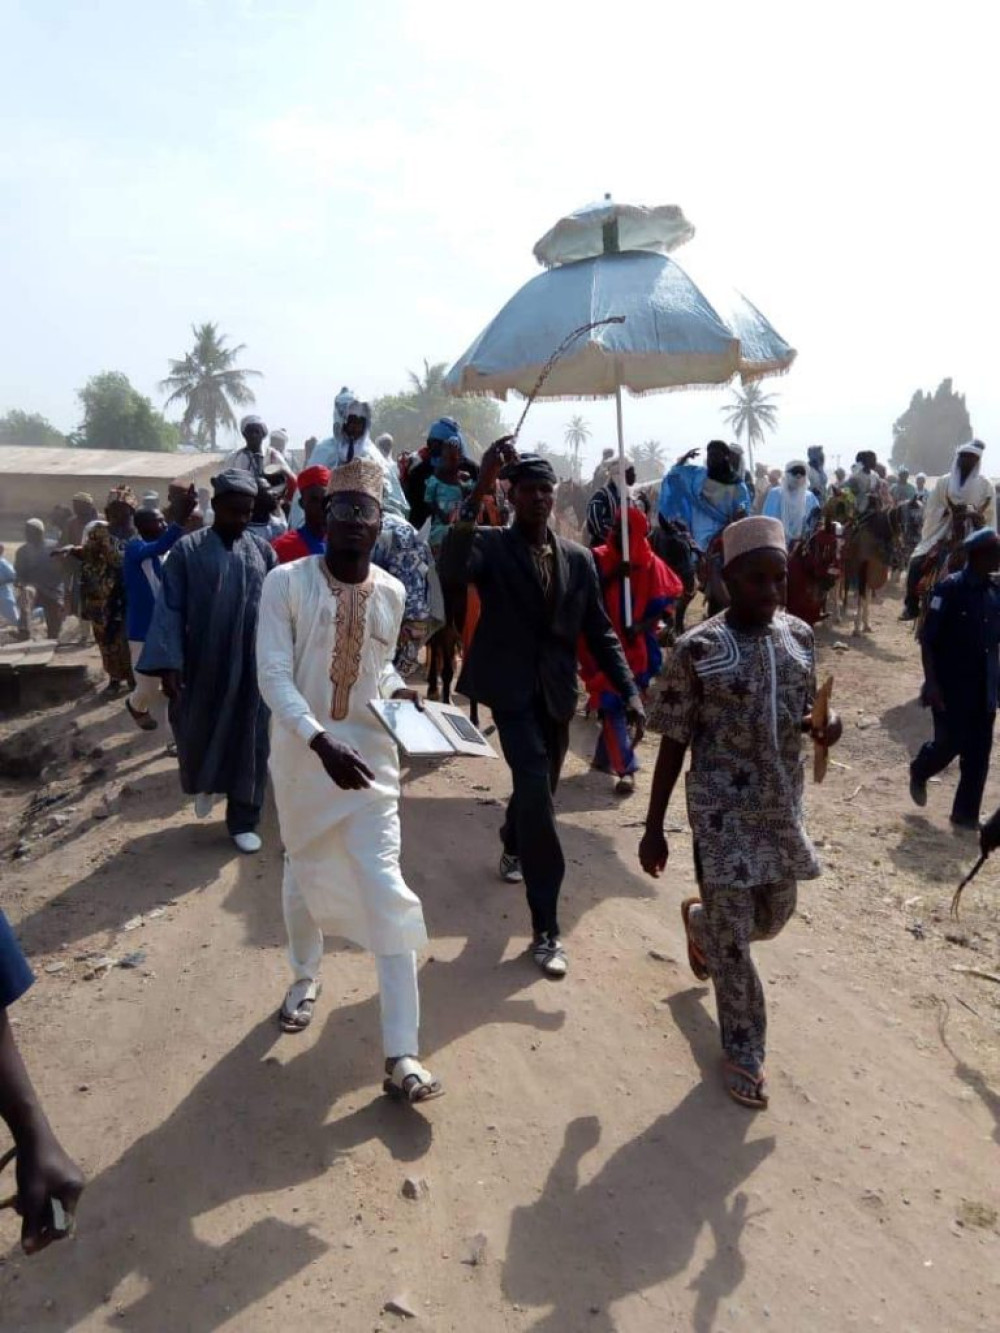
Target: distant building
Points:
(34, 481)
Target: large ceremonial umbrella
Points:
(612, 312)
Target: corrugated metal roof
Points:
(18, 460)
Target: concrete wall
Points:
(35, 495)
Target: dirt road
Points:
(585, 1170)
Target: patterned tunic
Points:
(738, 699)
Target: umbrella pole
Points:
(623, 497)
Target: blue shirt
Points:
(15, 974)
(141, 574)
(705, 506)
(962, 633)
(8, 602)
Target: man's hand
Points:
(411, 695)
(828, 735)
(44, 1174)
(497, 456)
(654, 852)
(635, 716)
(686, 458)
(343, 764)
(182, 505)
(171, 684)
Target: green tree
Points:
(926, 436)
(30, 428)
(208, 382)
(561, 462)
(117, 416)
(406, 415)
(576, 436)
(650, 460)
(750, 412)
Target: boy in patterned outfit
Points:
(738, 690)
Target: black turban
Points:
(529, 467)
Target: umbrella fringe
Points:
(745, 377)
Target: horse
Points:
(868, 549)
(948, 555)
(675, 546)
(446, 645)
(814, 566)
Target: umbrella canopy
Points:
(673, 337)
(606, 261)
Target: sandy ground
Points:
(585, 1170)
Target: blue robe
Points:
(205, 626)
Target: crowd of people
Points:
(264, 618)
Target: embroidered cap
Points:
(752, 534)
(363, 476)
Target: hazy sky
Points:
(349, 188)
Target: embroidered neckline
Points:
(351, 619)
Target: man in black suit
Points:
(539, 594)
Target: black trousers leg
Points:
(976, 742)
(241, 817)
(911, 601)
(535, 746)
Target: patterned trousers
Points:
(732, 918)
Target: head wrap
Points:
(751, 534)
(252, 420)
(971, 447)
(317, 475)
(529, 467)
(362, 476)
(982, 537)
(83, 498)
(123, 494)
(384, 444)
(93, 526)
(341, 403)
(921, 476)
(234, 481)
(36, 525)
(279, 438)
(445, 428)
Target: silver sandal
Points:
(296, 1012)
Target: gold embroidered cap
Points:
(362, 475)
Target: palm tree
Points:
(577, 435)
(208, 382)
(650, 460)
(751, 412)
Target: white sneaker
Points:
(247, 842)
(203, 803)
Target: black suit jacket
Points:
(524, 647)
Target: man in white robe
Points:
(963, 487)
(325, 645)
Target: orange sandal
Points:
(760, 1100)
(696, 957)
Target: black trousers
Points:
(241, 817)
(534, 745)
(911, 601)
(968, 735)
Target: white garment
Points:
(146, 696)
(343, 846)
(247, 461)
(399, 993)
(977, 493)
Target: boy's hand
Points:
(654, 852)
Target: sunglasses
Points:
(345, 509)
(796, 472)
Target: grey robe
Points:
(204, 625)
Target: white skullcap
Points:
(752, 534)
(279, 434)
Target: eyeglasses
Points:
(344, 508)
(796, 472)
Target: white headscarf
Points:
(794, 499)
(966, 492)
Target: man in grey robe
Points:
(201, 645)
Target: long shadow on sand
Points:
(254, 1125)
(635, 1224)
